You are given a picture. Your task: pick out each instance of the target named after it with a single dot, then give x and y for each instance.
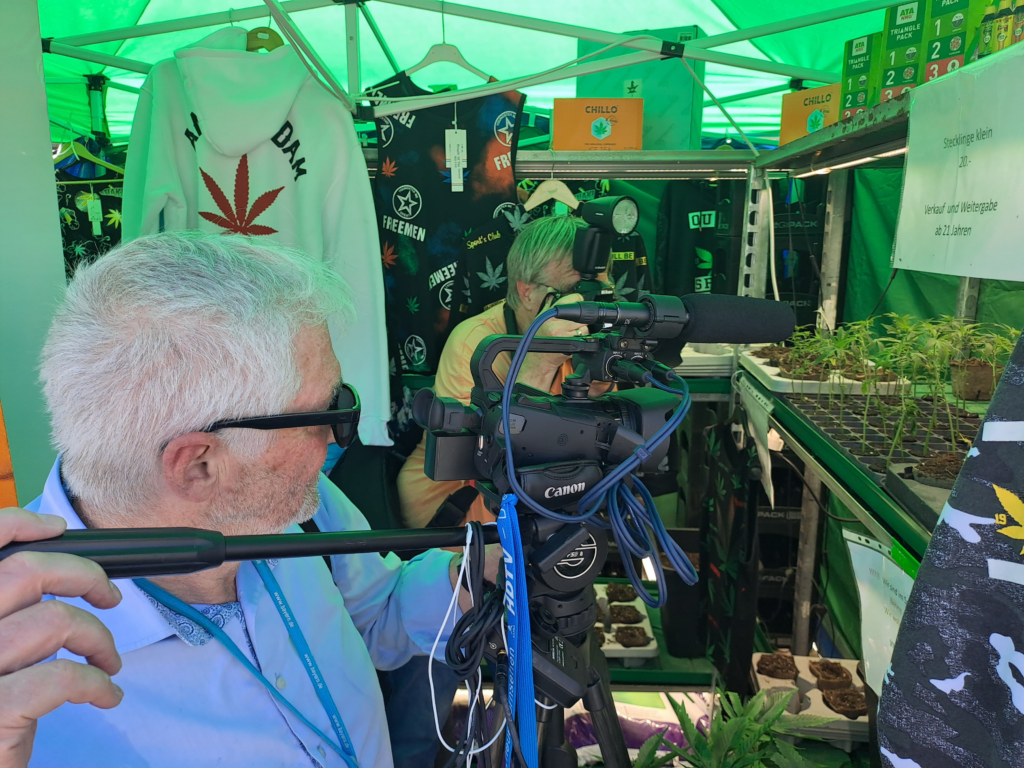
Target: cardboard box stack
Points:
(953, 34)
(862, 60)
(902, 56)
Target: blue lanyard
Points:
(179, 606)
(520, 646)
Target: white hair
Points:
(166, 335)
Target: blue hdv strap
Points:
(520, 646)
(179, 606)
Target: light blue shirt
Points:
(189, 702)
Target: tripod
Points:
(568, 665)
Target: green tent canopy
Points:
(501, 51)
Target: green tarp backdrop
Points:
(876, 201)
(500, 51)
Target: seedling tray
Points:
(842, 731)
(924, 502)
(773, 379)
(847, 433)
(612, 649)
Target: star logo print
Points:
(407, 201)
(444, 295)
(385, 132)
(504, 127)
(415, 350)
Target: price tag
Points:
(455, 156)
(95, 210)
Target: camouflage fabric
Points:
(954, 693)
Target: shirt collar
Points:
(137, 621)
(134, 622)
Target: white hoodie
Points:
(225, 140)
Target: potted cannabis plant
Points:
(739, 735)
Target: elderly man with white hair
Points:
(161, 351)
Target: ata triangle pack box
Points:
(598, 124)
(862, 59)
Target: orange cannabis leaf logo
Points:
(240, 218)
(389, 168)
(389, 256)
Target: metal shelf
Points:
(882, 128)
(700, 164)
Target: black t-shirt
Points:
(482, 275)
(422, 221)
(85, 241)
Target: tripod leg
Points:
(554, 749)
(599, 703)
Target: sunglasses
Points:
(342, 415)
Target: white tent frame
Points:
(697, 50)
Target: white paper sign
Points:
(963, 187)
(884, 588)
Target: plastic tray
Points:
(842, 731)
(769, 377)
(613, 650)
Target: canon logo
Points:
(565, 490)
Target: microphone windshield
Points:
(721, 319)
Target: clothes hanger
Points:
(445, 52)
(262, 38)
(551, 189)
(80, 152)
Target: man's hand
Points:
(539, 368)
(31, 631)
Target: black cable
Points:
(807, 237)
(887, 287)
(500, 690)
(822, 587)
(464, 651)
(812, 494)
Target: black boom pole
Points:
(126, 553)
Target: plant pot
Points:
(849, 702)
(777, 665)
(945, 468)
(830, 675)
(973, 379)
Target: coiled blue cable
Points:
(631, 524)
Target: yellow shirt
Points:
(419, 495)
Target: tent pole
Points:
(62, 49)
(650, 44)
(372, 23)
(787, 25)
(83, 81)
(308, 55)
(192, 22)
(749, 95)
(408, 104)
(352, 48)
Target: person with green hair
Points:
(540, 274)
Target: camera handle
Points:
(488, 350)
